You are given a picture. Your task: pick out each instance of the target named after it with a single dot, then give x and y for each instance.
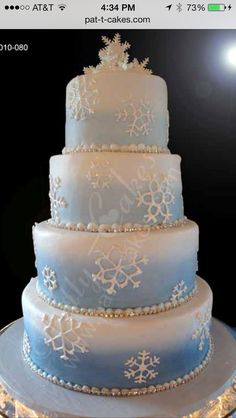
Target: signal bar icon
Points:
(62, 7)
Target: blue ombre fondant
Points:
(110, 93)
(112, 342)
(116, 103)
(86, 205)
(107, 370)
(162, 259)
(76, 287)
(97, 130)
(116, 188)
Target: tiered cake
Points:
(116, 308)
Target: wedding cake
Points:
(116, 308)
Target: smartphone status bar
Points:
(119, 14)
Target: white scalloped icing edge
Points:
(92, 227)
(125, 391)
(117, 313)
(154, 149)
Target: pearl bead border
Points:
(117, 313)
(154, 149)
(92, 227)
(125, 391)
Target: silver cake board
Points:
(54, 401)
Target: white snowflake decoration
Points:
(57, 202)
(158, 198)
(203, 330)
(100, 175)
(82, 97)
(118, 268)
(139, 117)
(26, 344)
(114, 57)
(50, 280)
(64, 334)
(142, 368)
(179, 291)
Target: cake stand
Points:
(211, 394)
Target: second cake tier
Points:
(91, 189)
(147, 270)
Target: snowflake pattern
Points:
(179, 291)
(100, 175)
(203, 330)
(118, 268)
(50, 280)
(139, 117)
(64, 334)
(158, 198)
(57, 201)
(26, 344)
(115, 57)
(82, 97)
(142, 368)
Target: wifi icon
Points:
(62, 6)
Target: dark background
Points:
(202, 104)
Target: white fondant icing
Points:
(94, 116)
(202, 331)
(145, 188)
(114, 334)
(150, 259)
(119, 313)
(146, 390)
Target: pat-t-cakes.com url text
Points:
(116, 19)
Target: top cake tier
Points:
(117, 102)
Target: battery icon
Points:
(216, 7)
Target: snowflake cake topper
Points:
(114, 57)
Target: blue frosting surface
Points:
(103, 129)
(76, 286)
(115, 270)
(107, 370)
(113, 352)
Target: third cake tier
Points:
(152, 270)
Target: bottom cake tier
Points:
(118, 356)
